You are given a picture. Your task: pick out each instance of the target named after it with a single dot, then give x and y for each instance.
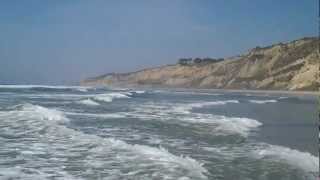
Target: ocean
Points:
(71, 132)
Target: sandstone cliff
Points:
(284, 66)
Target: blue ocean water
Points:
(65, 132)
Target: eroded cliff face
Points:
(290, 66)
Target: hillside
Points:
(284, 66)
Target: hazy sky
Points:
(62, 41)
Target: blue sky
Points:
(63, 41)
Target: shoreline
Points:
(254, 91)
(286, 92)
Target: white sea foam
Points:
(186, 108)
(164, 158)
(108, 97)
(302, 160)
(42, 134)
(237, 125)
(179, 108)
(226, 125)
(161, 110)
(33, 174)
(82, 89)
(263, 101)
(106, 116)
(43, 113)
(197, 93)
(88, 102)
(212, 103)
(173, 113)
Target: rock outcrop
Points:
(284, 66)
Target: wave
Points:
(187, 92)
(110, 96)
(88, 102)
(213, 103)
(302, 160)
(163, 157)
(197, 93)
(81, 89)
(226, 125)
(43, 113)
(33, 174)
(263, 101)
(111, 115)
(241, 126)
(175, 113)
(42, 133)
(35, 114)
(293, 159)
(79, 98)
(78, 88)
(186, 108)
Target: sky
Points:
(64, 41)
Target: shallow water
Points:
(50, 132)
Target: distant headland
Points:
(283, 66)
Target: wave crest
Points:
(171, 113)
(226, 125)
(263, 101)
(302, 160)
(88, 102)
(212, 103)
(42, 113)
(110, 96)
(41, 133)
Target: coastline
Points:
(253, 91)
(278, 92)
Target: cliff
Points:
(283, 66)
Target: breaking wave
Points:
(32, 111)
(213, 103)
(88, 102)
(105, 116)
(110, 96)
(197, 93)
(302, 160)
(263, 101)
(226, 125)
(44, 135)
(171, 113)
(186, 108)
